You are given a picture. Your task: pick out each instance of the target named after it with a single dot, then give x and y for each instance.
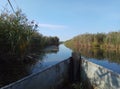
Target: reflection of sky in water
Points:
(53, 58)
(105, 63)
(64, 53)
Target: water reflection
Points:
(106, 58)
(52, 58)
(13, 70)
(100, 54)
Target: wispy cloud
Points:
(51, 26)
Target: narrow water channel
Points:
(107, 59)
(52, 58)
(13, 71)
(16, 70)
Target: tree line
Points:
(110, 40)
(19, 36)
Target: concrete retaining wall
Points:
(45, 79)
(99, 77)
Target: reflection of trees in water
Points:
(51, 49)
(112, 55)
(100, 54)
(12, 70)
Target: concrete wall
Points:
(45, 79)
(98, 76)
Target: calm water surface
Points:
(11, 72)
(15, 70)
(52, 58)
(109, 59)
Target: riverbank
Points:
(109, 40)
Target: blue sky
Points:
(68, 18)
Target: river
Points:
(52, 58)
(107, 59)
(14, 71)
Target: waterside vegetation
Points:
(99, 46)
(19, 37)
(99, 40)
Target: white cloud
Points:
(51, 26)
